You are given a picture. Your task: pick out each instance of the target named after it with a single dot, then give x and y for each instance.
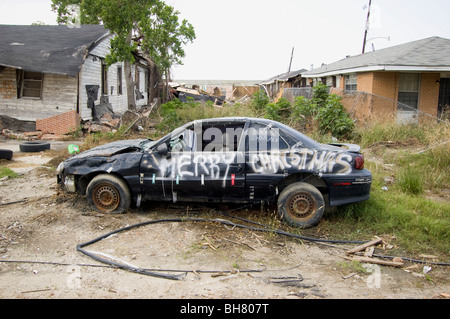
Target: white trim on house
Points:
(372, 68)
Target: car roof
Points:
(220, 120)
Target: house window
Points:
(29, 84)
(408, 91)
(104, 79)
(119, 80)
(351, 82)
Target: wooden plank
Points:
(376, 261)
(364, 246)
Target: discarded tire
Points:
(6, 154)
(34, 146)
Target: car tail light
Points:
(359, 161)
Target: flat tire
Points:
(301, 205)
(108, 194)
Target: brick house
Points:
(56, 76)
(406, 82)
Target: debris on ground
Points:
(185, 94)
(132, 119)
(368, 247)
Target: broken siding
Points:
(91, 74)
(59, 95)
(141, 85)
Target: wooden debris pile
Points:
(357, 254)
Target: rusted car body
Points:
(238, 160)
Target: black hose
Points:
(188, 219)
(280, 232)
(178, 277)
(156, 272)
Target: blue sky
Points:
(253, 39)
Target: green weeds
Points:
(5, 171)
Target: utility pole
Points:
(290, 63)
(367, 28)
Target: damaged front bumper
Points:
(67, 181)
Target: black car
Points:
(239, 160)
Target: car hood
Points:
(111, 149)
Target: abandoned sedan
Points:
(240, 160)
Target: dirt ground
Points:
(40, 228)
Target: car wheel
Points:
(108, 194)
(301, 205)
(34, 146)
(6, 154)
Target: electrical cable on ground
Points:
(157, 272)
(222, 221)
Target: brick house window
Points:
(408, 91)
(29, 84)
(351, 82)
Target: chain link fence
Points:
(365, 106)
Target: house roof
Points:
(430, 54)
(48, 49)
(283, 77)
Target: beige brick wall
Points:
(429, 93)
(365, 82)
(381, 101)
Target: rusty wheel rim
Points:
(106, 198)
(301, 206)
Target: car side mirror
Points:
(162, 149)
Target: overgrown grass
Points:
(417, 225)
(410, 209)
(5, 171)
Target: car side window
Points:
(184, 142)
(221, 137)
(266, 138)
(288, 140)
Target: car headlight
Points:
(69, 183)
(60, 168)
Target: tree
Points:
(150, 26)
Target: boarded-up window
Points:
(29, 84)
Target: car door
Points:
(266, 153)
(214, 169)
(162, 165)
